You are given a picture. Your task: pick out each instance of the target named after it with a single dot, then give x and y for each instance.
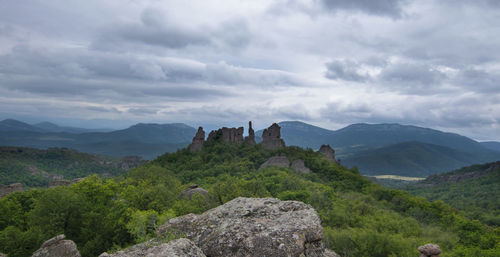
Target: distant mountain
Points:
(492, 145)
(391, 148)
(15, 125)
(145, 140)
(51, 127)
(301, 134)
(413, 159)
(474, 189)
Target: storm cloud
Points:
(327, 62)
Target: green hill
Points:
(35, 168)
(413, 159)
(359, 217)
(474, 189)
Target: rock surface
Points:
(130, 162)
(192, 190)
(278, 161)
(177, 248)
(429, 250)
(228, 135)
(57, 247)
(5, 190)
(298, 165)
(63, 182)
(328, 152)
(250, 139)
(271, 137)
(254, 227)
(198, 140)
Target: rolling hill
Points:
(145, 140)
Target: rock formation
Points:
(130, 162)
(328, 152)
(3, 255)
(192, 190)
(57, 247)
(228, 135)
(177, 248)
(429, 250)
(271, 137)
(198, 140)
(298, 165)
(250, 139)
(278, 161)
(5, 190)
(63, 182)
(254, 227)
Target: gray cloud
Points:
(392, 8)
(345, 70)
(412, 78)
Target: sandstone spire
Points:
(250, 139)
(198, 140)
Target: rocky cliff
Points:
(198, 140)
(5, 190)
(228, 135)
(250, 139)
(271, 137)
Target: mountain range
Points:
(373, 148)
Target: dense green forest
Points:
(360, 218)
(34, 167)
(477, 196)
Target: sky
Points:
(330, 63)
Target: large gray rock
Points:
(250, 139)
(57, 247)
(277, 161)
(177, 248)
(429, 250)
(253, 227)
(198, 140)
(298, 165)
(5, 190)
(228, 135)
(328, 152)
(271, 137)
(3, 255)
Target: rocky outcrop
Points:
(228, 135)
(57, 247)
(198, 140)
(283, 162)
(328, 152)
(298, 165)
(429, 250)
(250, 139)
(5, 190)
(192, 190)
(35, 171)
(130, 162)
(3, 255)
(253, 227)
(63, 182)
(277, 161)
(271, 137)
(177, 248)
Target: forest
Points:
(359, 217)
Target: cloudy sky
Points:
(113, 63)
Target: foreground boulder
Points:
(429, 250)
(254, 227)
(57, 247)
(177, 248)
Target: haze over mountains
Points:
(373, 148)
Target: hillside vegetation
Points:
(359, 217)
(474, 190)
(35, 168)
